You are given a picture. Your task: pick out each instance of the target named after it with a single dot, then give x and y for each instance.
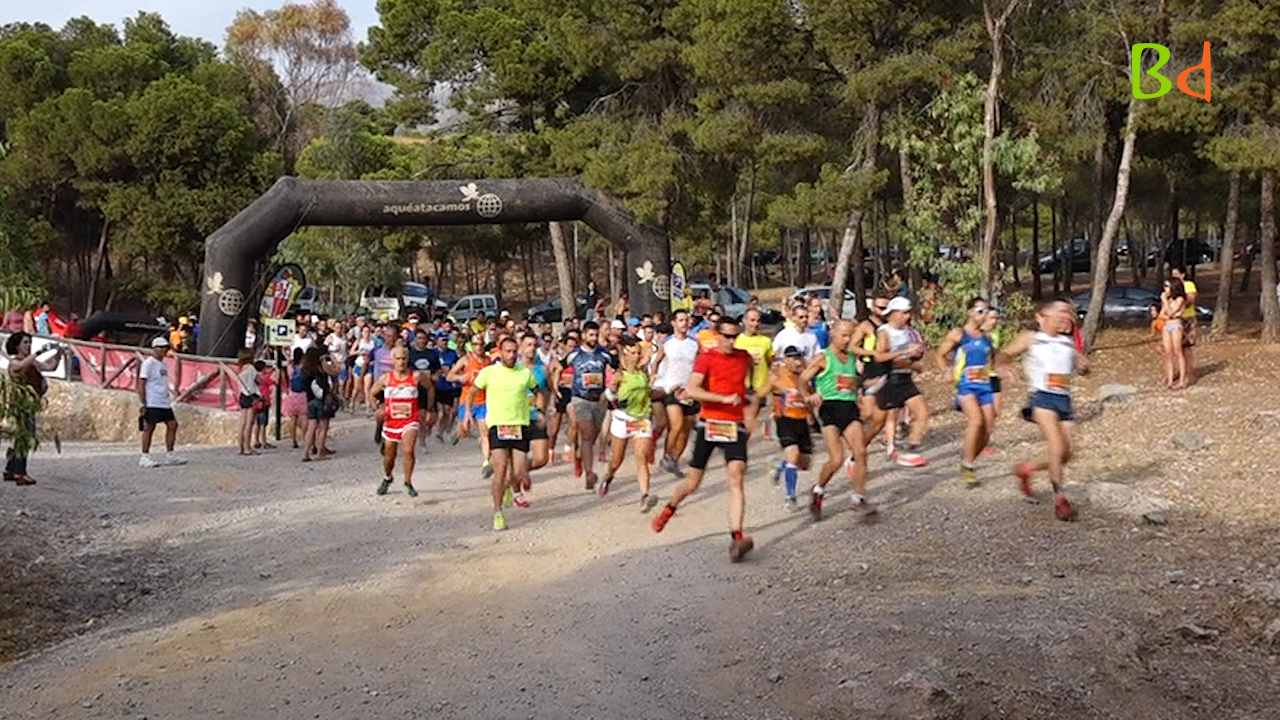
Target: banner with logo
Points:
(679, 288)
(282, 292)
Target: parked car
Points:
(1130, 304)
(1078, 255)
(850, 310)
(469, 307)
(395, 302)
(308, 301)
(552, 310)
(1185, 252)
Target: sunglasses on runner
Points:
(729, 336)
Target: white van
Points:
(385, 302)
(469, 308)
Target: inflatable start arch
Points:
(233, 250)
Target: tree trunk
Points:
(746, 227)
(1035, 249)
(98, 269)
(806, 251)
(990, 126)
(1222, 306)
(564, 272)
(1096, 218)
(870, 138)
(1270, 305)
(1102, 270)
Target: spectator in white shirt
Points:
(153, 392)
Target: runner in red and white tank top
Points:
(397, 394)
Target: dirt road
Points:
(262, 588)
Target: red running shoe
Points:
(660, 521)
(1023, 471)
(1063, 509)
(738, 549)
(577, 467)
(527, 484)
(815, 505)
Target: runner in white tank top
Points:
(675, 364)
(1051, 364)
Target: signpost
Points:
(279, 336)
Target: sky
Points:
(206, 19)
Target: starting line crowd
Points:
(648, 384)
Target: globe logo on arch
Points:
(487, 205)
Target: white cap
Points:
(505, 313)
(160, 342)
(618, 325)
(899, 304)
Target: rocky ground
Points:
(258, 587)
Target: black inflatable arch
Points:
(232, 251)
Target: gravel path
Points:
(259, 587)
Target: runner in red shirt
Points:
(719, 382)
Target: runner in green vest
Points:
(834, 377)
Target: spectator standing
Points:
(157, 407)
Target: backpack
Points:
(296, 383)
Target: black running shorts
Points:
(794, 431)
(702, 448)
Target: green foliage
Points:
(141, 132)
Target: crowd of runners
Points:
(654, 385)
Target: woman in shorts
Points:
(632, 420)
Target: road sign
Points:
(279, 332)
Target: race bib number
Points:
(593, 381)
(1057, 381)
(638, 427)
(846, 383)
(510, 432)
(400, 410)
(721, 431)
(977, 375)
(793, 400)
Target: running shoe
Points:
(672, 466)
(1023, 471)
(453, 435)
(849, 468)
(602, 455)
(410, 490)
(173, 458)
(969, 475)
(815, 503)
(910, 459)
(384, 486)
(499, 521)
(739, 548)
(520, 500)
(663, 518)
(648, 502)
(568, 452)
(526, 484)
(591, 481)
(146, 461)
(790, 505)
(486, 470)
(1062, 508)
(776, 477)
(863, 508)
(508, 498)
(577, 468)
(602, 488)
